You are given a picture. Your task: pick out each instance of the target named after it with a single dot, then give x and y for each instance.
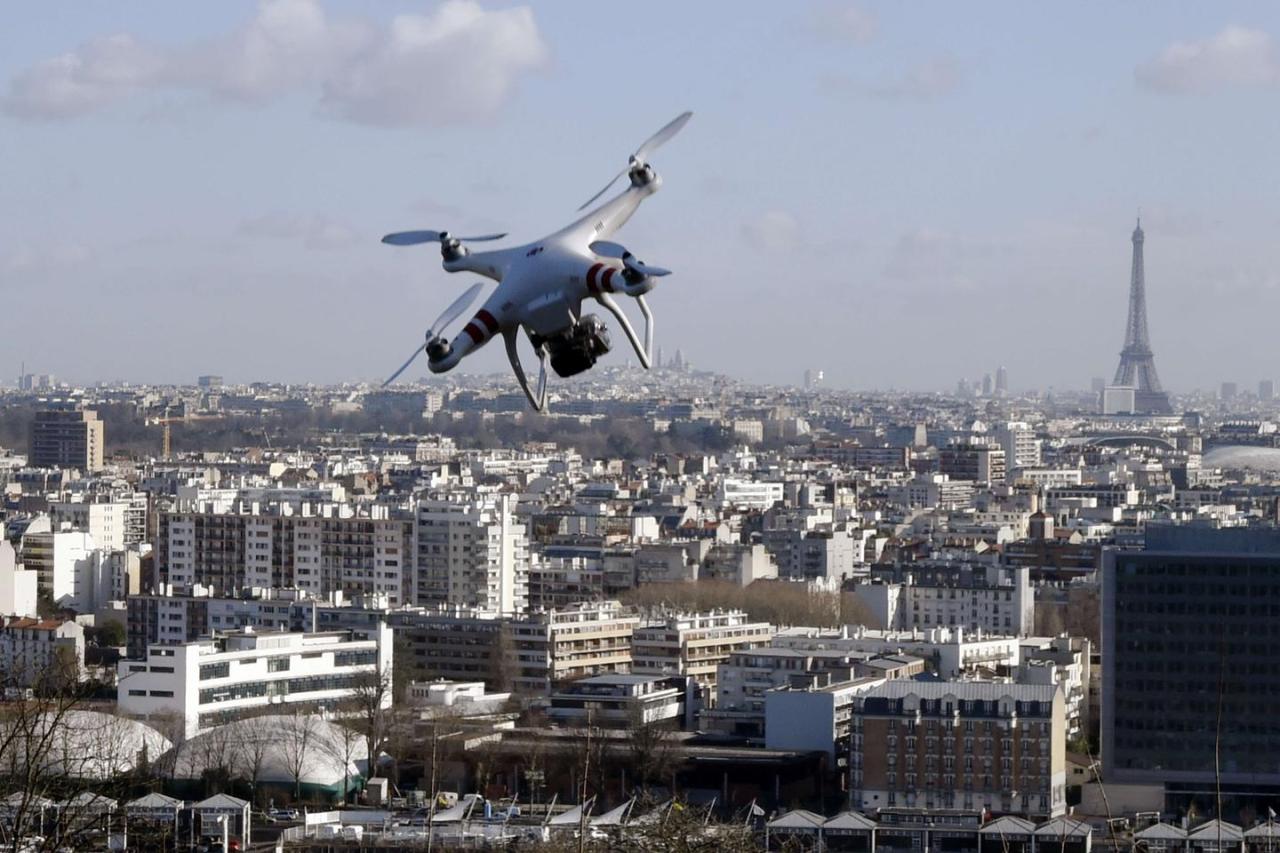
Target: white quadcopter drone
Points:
(541, 285)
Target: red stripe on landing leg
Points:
(488, 319)
(476, 333)
(607, 283)
(592, 287)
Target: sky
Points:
(898, 194)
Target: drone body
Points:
(542, 285)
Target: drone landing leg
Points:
(539, 400)
(642, 350)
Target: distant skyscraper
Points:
(988, 385)
(67, 438)
(1228, 391)
(1266, 390)
(813, 378)
(1002, 381)
(1137, 368)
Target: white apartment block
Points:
(992, 599)
(1020, 445)
(209, 682)
(103, 520)
(18, 595)
(695, 644)
(472, 552)
(319, 548)
(548, 648)
(64, 563)
(32, 649)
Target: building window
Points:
(215, 670)
(163, 694)
(278, 665)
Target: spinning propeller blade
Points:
(404, 366)
(653, 143)
(453, 311)
(446, 317)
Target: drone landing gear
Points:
(642, 351)
(538, 400)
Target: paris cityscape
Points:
(690, 560)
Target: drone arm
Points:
(642, 351)
(648, 324)
(539, 400)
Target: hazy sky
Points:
(898, 193)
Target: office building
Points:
(1189, 622)
(67, 438)
(1228, 392)
(1266, 390)
(210, 682)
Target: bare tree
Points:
(297, 736)
(648, 747)
(371, 702)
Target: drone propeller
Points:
(413, 238)
(433, 333)
(641, 157)
(609, 249)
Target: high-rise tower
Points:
(1137, 368)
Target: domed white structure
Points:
(318, 755)
(1243, 456)
(79, 744)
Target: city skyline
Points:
(180, 175)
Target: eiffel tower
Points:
(1137, 368)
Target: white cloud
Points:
(845, 21)
(773, 230)
(1237, 56)
(457, 64)
(315, 231)
(94, 75)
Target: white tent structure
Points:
(615, 816)
(309, 751)
(572, 818)
(84, 745)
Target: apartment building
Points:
(960, 745)
(551, 647)
(976, 597)
(472, 552)
(695, 644)
(210, 682)
(33, 650)
(318, 548)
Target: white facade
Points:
(209, 682)
(64, 564)
(813, 720)
(1004, 608)
(1021, 447)
(748, 494)
(104, 521)
(472, 553)
(695, 644)
(18, 594)
(31, 649)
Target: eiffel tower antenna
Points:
(1137, 367)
